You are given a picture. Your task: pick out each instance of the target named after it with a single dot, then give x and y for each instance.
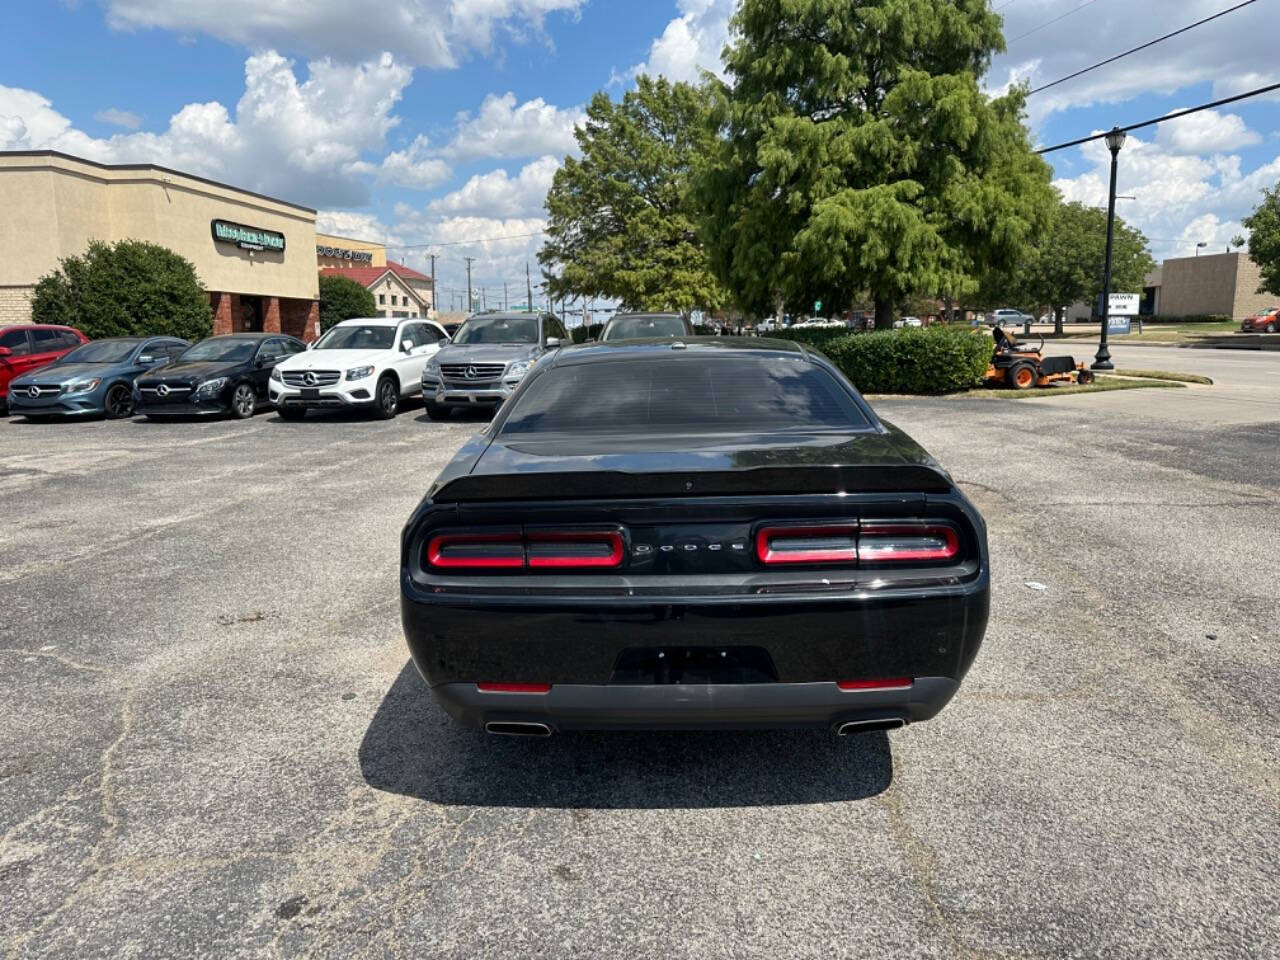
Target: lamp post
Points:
(1102, 360)
(1202, 243)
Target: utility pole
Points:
(470, 302)
(504, 295)
(435, 296)
(527, 286)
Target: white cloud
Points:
(1181, 199)
(299, 141)
(118, 118)
(1207, 132)
(503, 128)
(353, 224)
(1198, 57)
(691, 42)
(415, 167)
(496, 194)
(428, 33)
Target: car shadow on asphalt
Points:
(413, 748)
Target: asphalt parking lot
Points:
(212, 744)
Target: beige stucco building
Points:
(1224, 284)
(255, 255)
(334, 252)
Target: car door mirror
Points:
(5, 352)
(264, 361)
(406, 345)
(445, 341)
(553, 342)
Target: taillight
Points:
(533, 549)
(475, 551)
(573, 549)
(825, 543)
(890, 683)
(907, 542)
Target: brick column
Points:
(312, 331)
(271, 315)
(221, 303)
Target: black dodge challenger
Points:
(701, 533)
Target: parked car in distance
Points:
(486, 360)
(369, 363)
(27, 347)
(1008, 318)
(718, 533)
(909, 322)
(219, 375)
(95, 379)
(1264, 321)
(638, 326)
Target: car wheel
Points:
(1085, 377)
(1021, 376)
(386, 401)
(1270, 328)
(291, 413)
(243, 401)
(436, 411)
(118, 403)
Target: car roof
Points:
(36, 326)
(248, 335)
(376, 321)
(655, 347)
(504, 315)
(647, 313)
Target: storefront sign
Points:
(247, 238)
(342, 253)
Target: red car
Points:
(1264, 321)
(30, 346)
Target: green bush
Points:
(1194, 318)
(128, 289)
(813, 336)
(912, 360)
(342, 298)
(582, 334)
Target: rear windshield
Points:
(634, 328)
(692, 394)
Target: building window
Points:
(382, 298)
(394, 301)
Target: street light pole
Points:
(1102, 360)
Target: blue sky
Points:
(437, 124)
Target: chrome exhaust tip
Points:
(517, 728)
(866, 726)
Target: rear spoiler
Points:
(595, 484)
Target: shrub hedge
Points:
(912, 360)
(582, 334)
(813, 336)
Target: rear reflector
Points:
(574, 549)
(514, 687)
(822, 543)
(475, 551)
(892, 683)
(907, 542)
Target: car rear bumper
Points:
(697, 706)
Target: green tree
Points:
(860, 153)
(1067, 262)
(129, 288)
(1264, 239)
(620, 225)
(341, 298)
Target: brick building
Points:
(253, 254)
(1222, 284)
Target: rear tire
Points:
(118, 403)
(436, 411)
(1085, 377)
(1269, 328)
(291, 413)
(386, 399)
(1021, 376)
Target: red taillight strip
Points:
(611, 537)
(437, 544)
(514, 687)
(892, 683)
(765, 552)
(868, 553)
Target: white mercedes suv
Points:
(371, 362)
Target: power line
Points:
(1168, 116)
(1049, 23)
(463, 243)
(1149, 43)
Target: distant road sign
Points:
(1124, 304)
(817, 305)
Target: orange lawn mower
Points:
(1021, 368)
